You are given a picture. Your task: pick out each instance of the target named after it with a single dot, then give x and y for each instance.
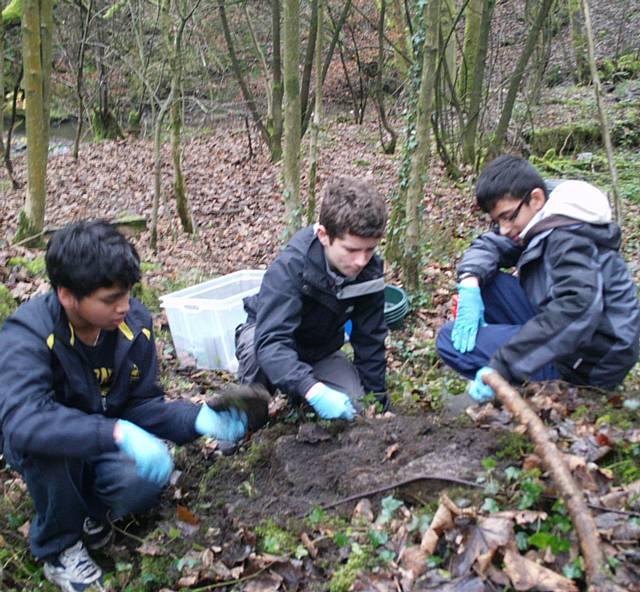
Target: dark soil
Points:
(298, 468)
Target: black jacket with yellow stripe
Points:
(50, 401)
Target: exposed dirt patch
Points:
(309, 466)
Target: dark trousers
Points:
(336, 371)
(506, 310)
(66, 490)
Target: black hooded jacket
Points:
(50, 401)
(588, 319)
(300, 314)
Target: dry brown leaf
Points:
(185, 515)
(151, 549)
(308, 545)
(528, 575)
(522, 516)
(363, 510)
(265, 582)
(481, 542)
(414, 559)
(390, 452)
(532, 461)
(188, 581)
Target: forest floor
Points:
(313, 506)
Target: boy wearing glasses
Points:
(571, 309)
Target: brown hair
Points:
(352, 206)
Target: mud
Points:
(289, 470)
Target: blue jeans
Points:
(67, 490)
(506, 310)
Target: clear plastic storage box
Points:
(203, 318)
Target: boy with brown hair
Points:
(327, 275)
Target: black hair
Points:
(507, 176)
(84, 256)
(352, 206)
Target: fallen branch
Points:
(598, 576)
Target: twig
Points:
(586, 530)
(395, 484)
(232, 582)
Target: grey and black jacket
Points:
(300, 315)
(588, 319)
(50, 401)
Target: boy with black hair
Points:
(82, 416)
(572, 311)
(327, 275)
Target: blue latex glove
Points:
(222, 425)
(150, 454)
(470, 316)
(331, 404)
(480, 391)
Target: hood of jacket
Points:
(570, 202)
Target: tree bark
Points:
(578, 41)
(422, 153)
(474, 100)
(84, 13)
(470, 48)
(602, 112)
(292, 123)
(390, 146)
(237, 70)
(36, 50)
(505, 116)
(314, 31)
(316, 123)
(276, 122)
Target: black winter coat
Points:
(300, 316)
(588, 319)
(50, 400)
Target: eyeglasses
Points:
(509, 217)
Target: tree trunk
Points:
(173, 44)
(317, 118)
(292, 124)
(36, 51)
(328, 58)
(237, 70)
(314, 31)
(399, 25)
(422, 153)
(579, 42)
(505, 116)
(84, 13)
(105, 125)
(390, 146)
(604, 124)
(474, 100)
(276, 123)
(470, 48)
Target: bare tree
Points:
(292, 119)
(37, 24)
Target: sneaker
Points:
(96, 535)
(74, 571)
(228, 448)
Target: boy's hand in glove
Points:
(230, 413)
(228, 425)
(150, 454)
(469, 318)
(478, 390)
(329, 403)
